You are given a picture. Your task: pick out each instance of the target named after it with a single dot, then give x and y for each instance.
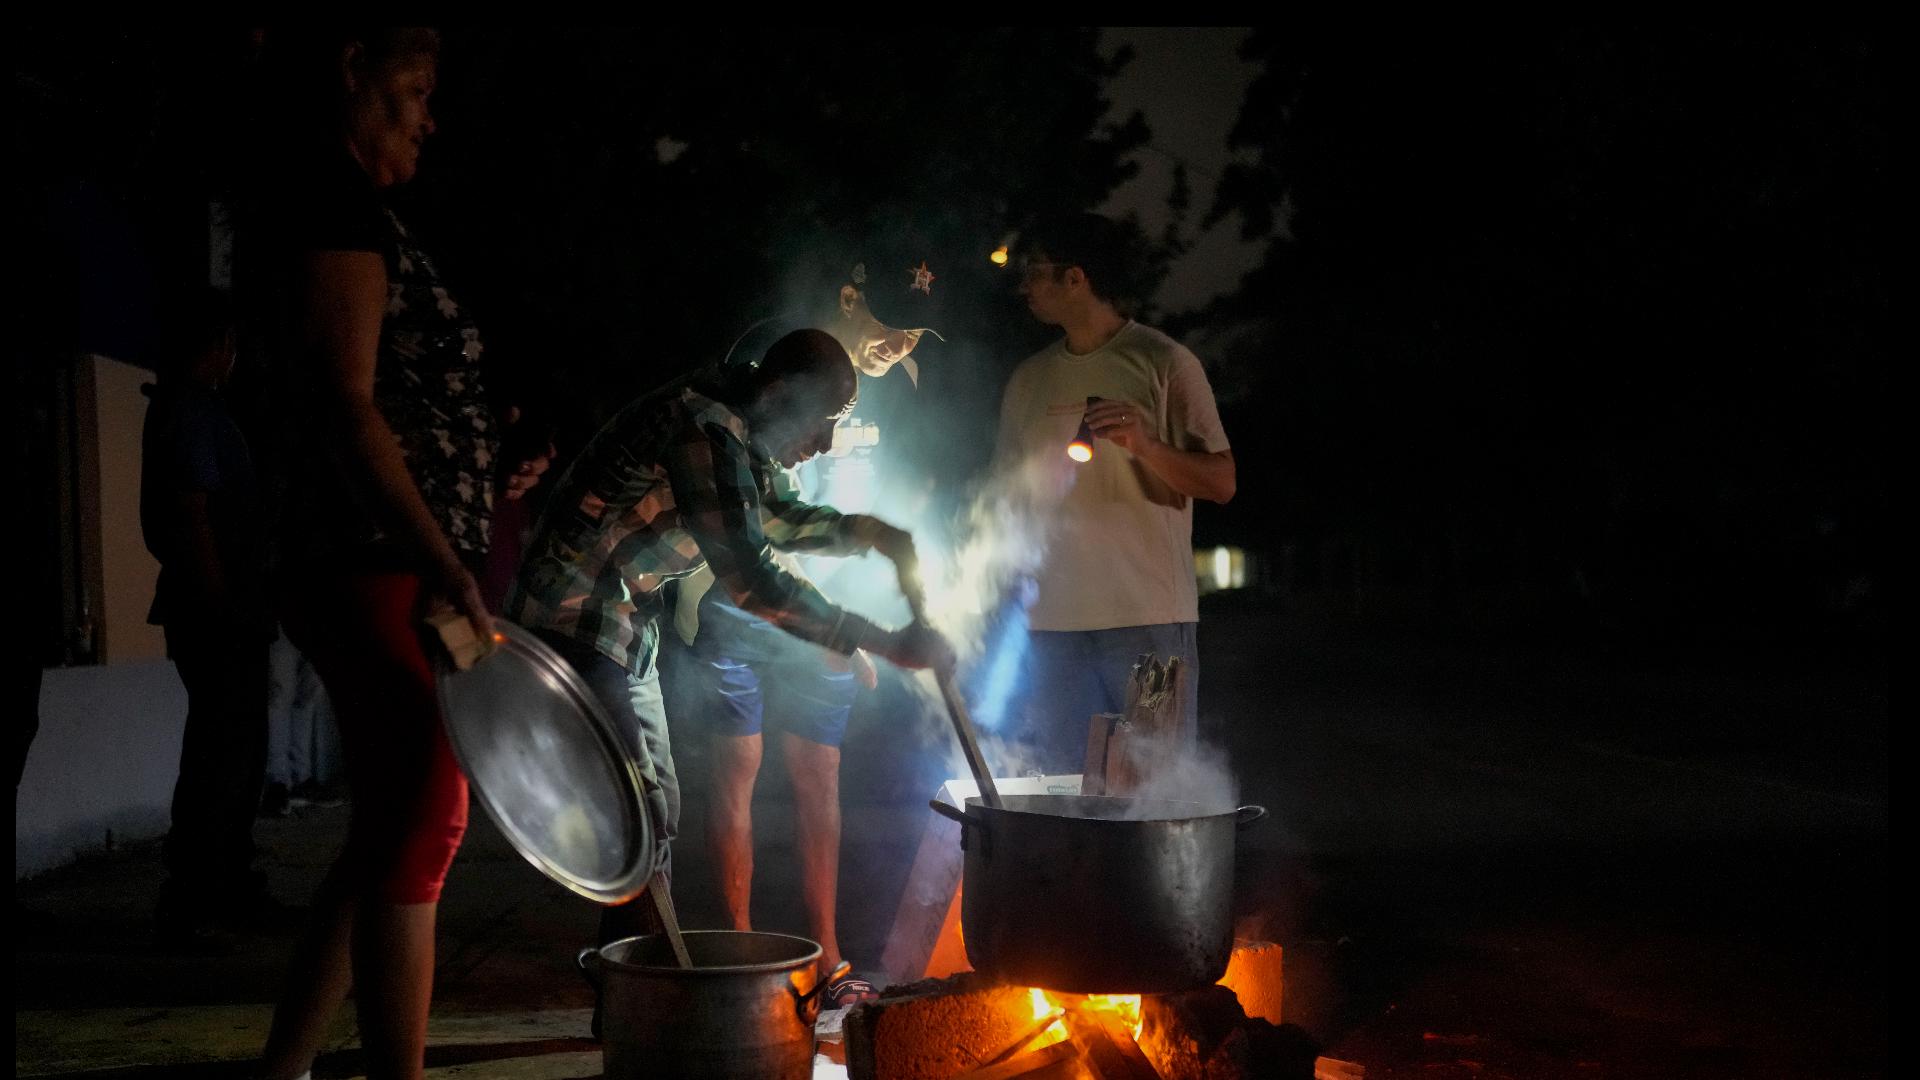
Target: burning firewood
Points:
(1110, 1052)
(1060, 1060)
(972, 1028)
(1021, 1042)
(1098, 1044)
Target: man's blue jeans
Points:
(1073, 674)
(639, 714)
(303, 744)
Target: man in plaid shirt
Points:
(753, 683)
(685, 477)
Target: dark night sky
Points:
(1594, 317)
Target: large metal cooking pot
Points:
(1092, 894)
(744, 1011)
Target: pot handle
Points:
(1247, 815)
(966, 820)
(807, 1005)
(948, 810)
(589, 961)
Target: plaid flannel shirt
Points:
(671, 483)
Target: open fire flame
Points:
(1125, 1006)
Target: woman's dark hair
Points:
(1105, 250)
(388, 44)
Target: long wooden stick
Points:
(669, 922)
(1025, 1064)
(970, 746)
(1021, 1041)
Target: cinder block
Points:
(933, 1029)
(1253, 974)
(1204, 1035)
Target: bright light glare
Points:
(1042, 1008)
(850, 485)
(1005, 659)
(1080, 451)
(1125, 1006)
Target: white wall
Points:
(128, 570)
(105, 758)
(109, 744)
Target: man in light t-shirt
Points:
(1117, 580)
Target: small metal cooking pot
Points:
(1093, 894)
(744, 1010)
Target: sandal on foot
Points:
(849, 990)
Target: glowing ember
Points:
(1042, 1008)
(1124, 1006)
(999, 256)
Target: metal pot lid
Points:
(547, 763)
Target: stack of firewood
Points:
(1155, 717)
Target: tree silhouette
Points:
(627, 205)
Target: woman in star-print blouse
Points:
(389, 447)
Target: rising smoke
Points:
(980, 541)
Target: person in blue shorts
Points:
(749, 676)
